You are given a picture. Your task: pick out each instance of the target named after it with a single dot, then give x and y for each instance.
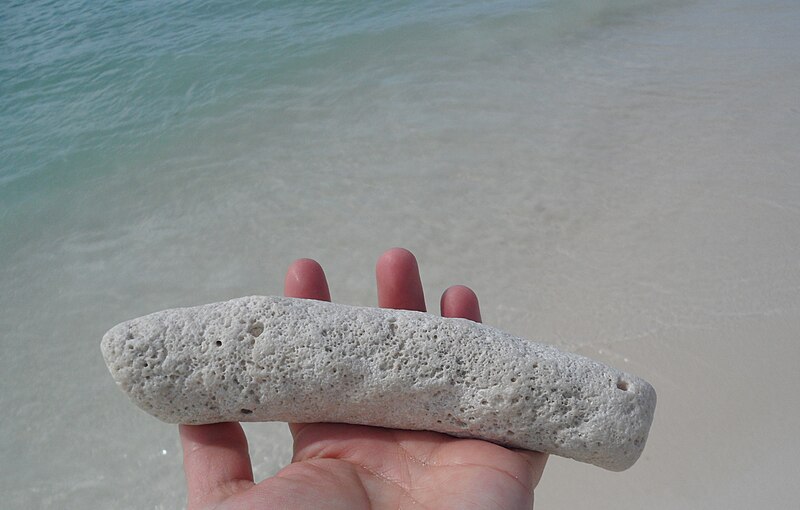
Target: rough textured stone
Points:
(280, 359)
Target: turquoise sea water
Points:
(114, 93)
(87, 84)
(613, 176)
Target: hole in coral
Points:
(218, 343)
(247, 411)
(256, 329)
(622, 384)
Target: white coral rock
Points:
(281, 359)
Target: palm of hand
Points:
(352, 467)
(340, 466)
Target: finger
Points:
(216, 462)
(536, 462)
(460, 301)
(399, 284)
(306, 279)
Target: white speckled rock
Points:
(280, 359)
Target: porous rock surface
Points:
(295, 360)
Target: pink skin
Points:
(339, 466)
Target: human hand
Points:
(341, 466)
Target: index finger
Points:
(306, 279)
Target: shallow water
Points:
(620, 180)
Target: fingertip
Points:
(306, 279)
(397, 253)
(460, 301)
(399, 282)
(398, 260)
